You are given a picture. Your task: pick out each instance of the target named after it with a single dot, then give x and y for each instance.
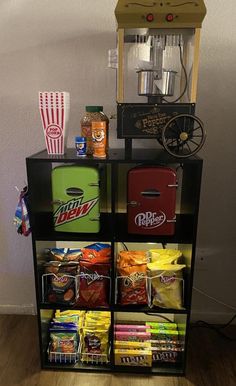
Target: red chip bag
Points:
(96, 257)
(94, 287)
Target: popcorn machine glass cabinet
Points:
(155, 65)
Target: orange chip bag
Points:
(127, 258)
(132, 277)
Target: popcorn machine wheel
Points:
(183, 135)
(157, 60)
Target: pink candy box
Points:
(132, 336)
(131, 327)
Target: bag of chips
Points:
(103, 249)
(166, 284)
(60, 282)
(94, 284)
(64, 254)
(95, 346)
(64, 342)
(165, 256)
(132, 277)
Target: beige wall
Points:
(48, 45)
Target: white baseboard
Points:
(17, 309)
(212, 317)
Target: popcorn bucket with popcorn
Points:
(54, 110)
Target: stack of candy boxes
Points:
(147, 344)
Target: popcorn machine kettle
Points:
(157, 71)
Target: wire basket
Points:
(47, 277)
(59, 357)
(95, 359)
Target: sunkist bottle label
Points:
(99, 137)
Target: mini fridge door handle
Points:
(133, 204)
(151, 193)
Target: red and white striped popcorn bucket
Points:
(54, 110)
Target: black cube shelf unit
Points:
(113, 179)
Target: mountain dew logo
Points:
(73, 210)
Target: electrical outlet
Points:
(203, 258)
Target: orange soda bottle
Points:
(99, 137)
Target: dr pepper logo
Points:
(73, 210)
(150, 220)
(54, 131)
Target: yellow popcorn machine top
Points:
(157, 61)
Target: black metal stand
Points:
(128, 147)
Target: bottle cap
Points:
(80, 139)
(94, 109)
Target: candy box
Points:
(132, 345)
(132, 336)
(138, 358)
(131, 328)
(162, 326)
(167, 335)
(165, 356)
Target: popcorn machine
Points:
(157, 72)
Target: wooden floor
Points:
(211, 361)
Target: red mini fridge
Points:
(151, 200)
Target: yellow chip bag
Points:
(165, 256)
(166, 284)
(95, 345)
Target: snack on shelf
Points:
(126, 357)
(164, 335)
(78, 316)
(70, 268)
(95, 266)
(64, 254)
(102, 249)
(165, 256)
(60, 282)
(127, 258)
(132, 336)
(166, 284)
(99, 314)
(160, 342)
(94, 284)
(120, 344)
(131, 327)
(63, 342)
(66, 319)
(132, 277)
(95, 337)
(94, 343)
(162, 325)
(165, 356)
(64, 338)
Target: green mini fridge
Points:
(75, 193)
